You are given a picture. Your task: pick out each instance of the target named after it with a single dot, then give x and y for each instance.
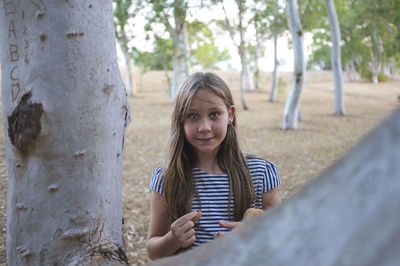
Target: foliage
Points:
(203, 49)
(159, 59)
(357, 20)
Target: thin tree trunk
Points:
(336, 58)
(184, 42)
(175, 67)
(377, 50)
(179, 57)
(273, 91)
(256, 61)
(65, 112)
(128, 73)
(291, 112)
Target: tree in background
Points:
(369, 31)
(278, 26)
(172, 15)
(292, 106)
(234, 27)
(65, 111)
(336, 58)
(123, 11)
(203, 50)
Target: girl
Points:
(208, 183)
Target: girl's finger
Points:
(228, 225)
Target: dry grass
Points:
(300, 155)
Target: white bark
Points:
(377, 51)
(291, 112)
(128, 73)
(65, 112)
(273, 91)
(179, 66)
(349, 215)
(180, 58)
(256, 62)
(336, 58)
(351, 71)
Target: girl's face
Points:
(207, 122)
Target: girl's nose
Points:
(204, 125)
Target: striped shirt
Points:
(213, 194)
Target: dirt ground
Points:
(299, 154)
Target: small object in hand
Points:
(251, 212)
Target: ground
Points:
(299, 154)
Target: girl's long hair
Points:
(179, 187)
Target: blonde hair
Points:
(179, 187)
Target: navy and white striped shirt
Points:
(213, 194)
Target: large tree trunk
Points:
(65, 112)
(336, 58)
(292, 107)
(349, 215)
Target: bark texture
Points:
(346, 216)
(65, 113)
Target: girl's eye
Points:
(193, 116)
(214, 115)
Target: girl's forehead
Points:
(206, 97)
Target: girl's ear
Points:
(231, 114)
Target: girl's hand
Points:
(224, 224)
(182, 229)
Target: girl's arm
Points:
(270, 198)
(163, 241)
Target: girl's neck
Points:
(209, 164)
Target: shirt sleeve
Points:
(156, 182)
(271, 178)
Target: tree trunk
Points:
(256, 62)
(336, 58)
(291, 112)
(243, 80)
(65, 112)
(179, 61)
(273, 91)
(377, 51)
(175, 68)
(128, 72)
(349, 215)
(184, 43)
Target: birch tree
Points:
(292, 106)
(65, 112)
(336, 58)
